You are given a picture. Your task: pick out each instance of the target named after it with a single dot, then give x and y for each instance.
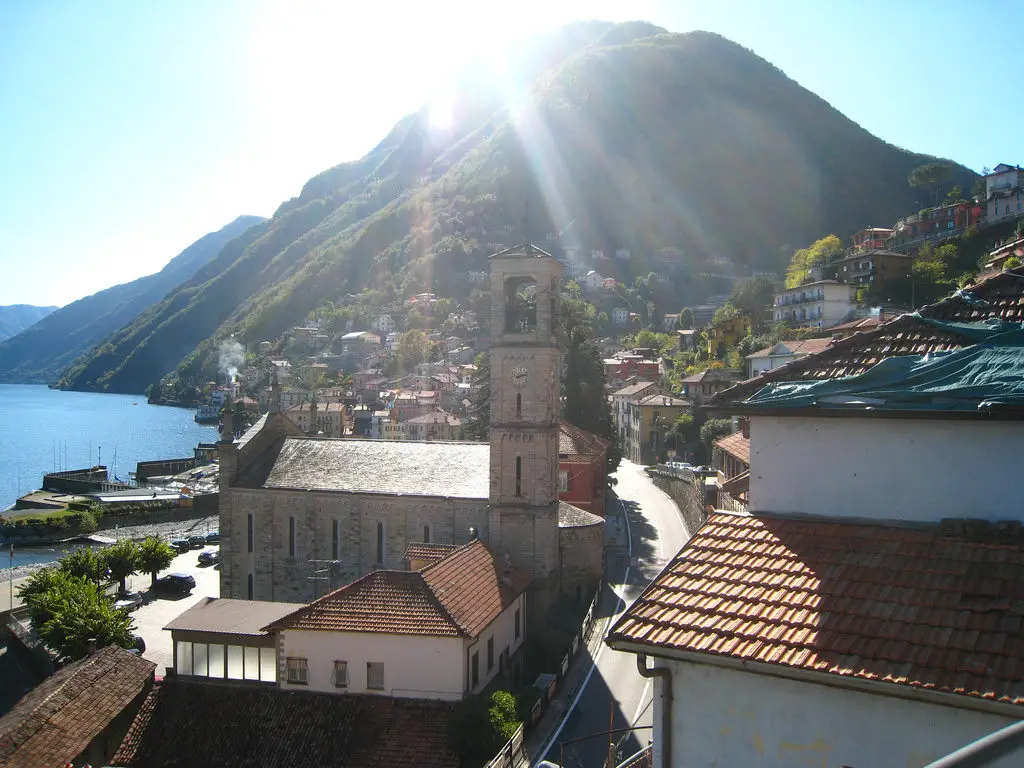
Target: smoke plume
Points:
(232, 357)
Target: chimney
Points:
(90, 646)
(472, 533)
(745, 428)
(227, 432)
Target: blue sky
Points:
(128, 130)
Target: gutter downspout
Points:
(666, 699)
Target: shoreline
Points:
(163, 530)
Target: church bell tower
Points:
(525, 379)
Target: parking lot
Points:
(159, 608)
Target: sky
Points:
(129, 130)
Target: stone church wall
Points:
(582, 560)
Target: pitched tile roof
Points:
(999, 296)
(666, 401)
(236, 617)
(904, 606)
(237, 726)
(906, 335)
(570, 516)
(633, 389)
(736, 445)
(428, 552)
(56, 720)
(805, 347)
(574, 442)
(446, 469)
(710, 375)
(457, 595)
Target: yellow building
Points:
(651, 418)
(727, 334)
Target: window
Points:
(519, 405)
(490, 653)
(291, 536)
(519, 475)
(380, 542)
(426, 534)
(298, 671)
(563, 481)
(518, 623)
(475, 666)
(250, 532)
(375, 675)
(334, 539)
(341, 674)
(268, 665)
(250, 587)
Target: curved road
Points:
(648, 530)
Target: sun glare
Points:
(441, 114)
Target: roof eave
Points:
(863, 685)
(739, 409)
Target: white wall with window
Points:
(407, 666)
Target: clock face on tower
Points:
(519, 376)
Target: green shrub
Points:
(87, 523)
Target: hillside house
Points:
(870, 239)
(781, 354)
(670, 322)
(593, 281)
(726, 334)
(437, 425)
(650, 420)
(620, 316)
(939, 221)
(383, 324)
(700, 387)
(621, 400)
(582, 468)
(820, 304)
(874, 269)
(1004, 192)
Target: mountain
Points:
(17, 317)
(38, 354)
(622, 135)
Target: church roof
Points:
(574, 517)
(575, 442)
(458, 595)
(447, 469)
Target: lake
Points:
(42, 430)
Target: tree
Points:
(503, 715)
(155, 554)
(74, 612)
(122, 559)
(955, 195)
(413, 348)
(725, 312)
(715, 429)
(84, 563)
(753, 298)
(41, 581)
(684, 429)
(817, 254)
(930, 175)
(480, 411)
(686, 319)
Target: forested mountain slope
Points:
(17, 317)
(638, 139)
(40, 353)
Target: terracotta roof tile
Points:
(56, 720)
(236, 725)
(736, 445)
(576, 442)
(457, 595)
(908, 606)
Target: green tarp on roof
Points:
(986, 375)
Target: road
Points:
(615, 691)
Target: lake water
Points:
(42, 430)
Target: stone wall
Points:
(581, 552)
(687, 491)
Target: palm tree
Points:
(154, 555)
(122, 559)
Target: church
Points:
(301, 515)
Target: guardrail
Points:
(509, 754)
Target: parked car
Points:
(209, 556)
(129, 601)
(213, 537)
(176, 582)
(181, 545)
(197, 541)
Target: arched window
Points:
(520, 305)
(519, 405)
(380, 543)
(426, 534)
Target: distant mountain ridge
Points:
(17, 317)
(39, 353)
(642, 140)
